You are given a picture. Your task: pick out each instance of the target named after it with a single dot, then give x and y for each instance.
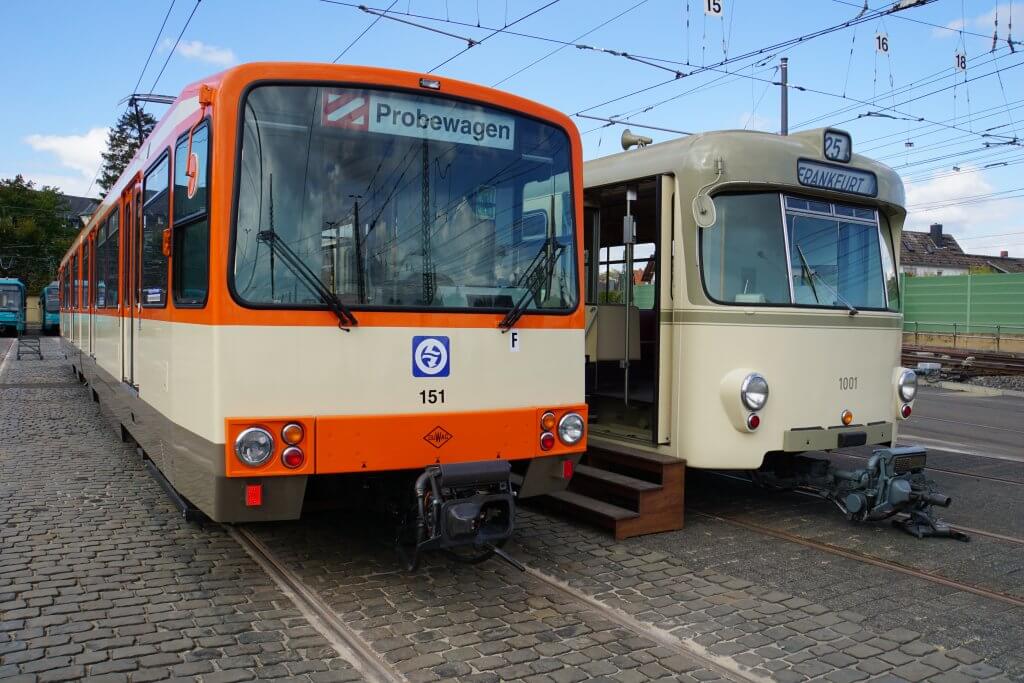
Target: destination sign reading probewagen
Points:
(396, 115)
(838, 178)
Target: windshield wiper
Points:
(308, 277)
(532, 282)
(808, 273)
(812, 274)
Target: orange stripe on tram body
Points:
(369, 443)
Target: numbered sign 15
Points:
(714, 8)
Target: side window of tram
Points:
(86, 262)
(111, 258)
(612, 277)
(191, 225)
(155, 215)
(743, 255)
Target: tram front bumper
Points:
(819, 439)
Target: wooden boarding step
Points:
(631, 493)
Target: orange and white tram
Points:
(313, 270)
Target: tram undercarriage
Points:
(892, 485)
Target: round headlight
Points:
(570, 428)
(908, 385)
(754, 391)
(254, 446)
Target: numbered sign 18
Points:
(960, 59)
(882, 43)
(714, 8)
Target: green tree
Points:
(36, 229)
(122, 142)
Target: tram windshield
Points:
(51, 302)
(400, 200)
(796, 251)
(10, 298)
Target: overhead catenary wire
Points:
(492, 34)
(174, 47)
(568, 44)
(757, 52)
(362, 33)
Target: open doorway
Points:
(622, 339)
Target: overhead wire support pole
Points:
(784, 77)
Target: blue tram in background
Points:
(49, 308)
(12, 306)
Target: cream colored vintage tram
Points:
(742, 298)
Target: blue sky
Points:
(67, 64)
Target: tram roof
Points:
(752, 157)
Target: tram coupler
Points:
(893, 483)
(466, 509)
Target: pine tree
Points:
(122, 142)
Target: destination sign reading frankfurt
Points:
(838, 178)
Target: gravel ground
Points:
(1011, 382)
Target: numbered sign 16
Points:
(714, 8)
(882, 43)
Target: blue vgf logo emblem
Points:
(430, 357)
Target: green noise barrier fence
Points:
(962, 305)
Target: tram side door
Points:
(132, 259)
(88, 291)
(623, 328)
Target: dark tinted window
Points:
(86, 275)
(190, 193)
(191, 226)
(191, 263)
(156, 212)
(111, 254)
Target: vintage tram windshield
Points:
(10, 298)
(797, 251)
(400, 200)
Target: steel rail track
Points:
(364, 658)
(815, 496)
(918, 416)
(723, 666)
(340, 635)
(849, 554)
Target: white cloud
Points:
(754, 121)
(952, 26)
(969, 221)
(68, 184)
(198, 50)
(987, 20)
(81, 153)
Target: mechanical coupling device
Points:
(892, 485)
(466, 509)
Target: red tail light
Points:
(753, 421)
(906, 410)
(293, 457)
(547, 441)
(254, 495)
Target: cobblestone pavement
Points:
(945, 616)
(484, 622)
(100, 577)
